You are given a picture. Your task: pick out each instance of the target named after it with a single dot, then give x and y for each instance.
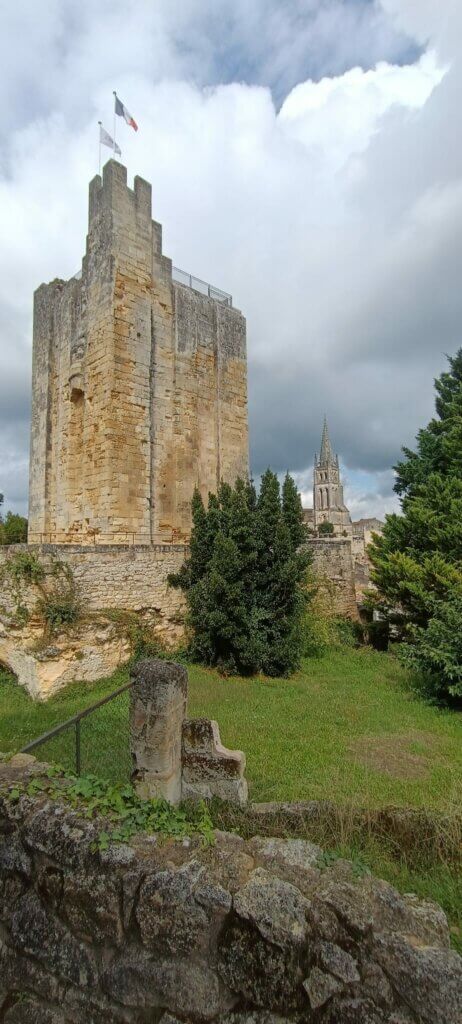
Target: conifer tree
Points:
(244, 578)
(281, 574)
(418, 559)
(292, 512)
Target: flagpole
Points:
(99, 156)
(114, 135)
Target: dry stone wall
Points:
(173, 932)
(334, 568)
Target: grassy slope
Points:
(304, 738)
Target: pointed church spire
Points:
(326, 455)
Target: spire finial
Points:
(326, 455)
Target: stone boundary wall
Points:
(107, 577)
(334, 567)
(173, 932)
(116, 575)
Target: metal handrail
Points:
(75, 720)
(182, 277)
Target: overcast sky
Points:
(305, 155)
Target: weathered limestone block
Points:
(190, 989)
(174, 758)
(27, 1011)
(209, 768)
(170, 919)
(157, 710)
(320, 987)
(91, 904)
(90, 651)
(420, 975)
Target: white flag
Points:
(106, 140)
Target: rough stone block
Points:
(207, 935)
(209, 768)
(91, 904)
(38, 934)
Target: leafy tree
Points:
(418, 558)
(13, 528)
(244, 578)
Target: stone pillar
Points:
(157, 709)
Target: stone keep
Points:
(139, 386)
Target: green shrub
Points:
(347, 632)
(245, 579)
(317, 634)
(24, 567)
(325, 529)
(435, 653)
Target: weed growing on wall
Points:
(58, 603)
(126, 813)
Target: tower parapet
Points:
(139, 389)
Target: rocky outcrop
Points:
(91, 650)
(174, 932)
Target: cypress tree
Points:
(292, 512)
(281, 574)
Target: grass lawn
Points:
(346, 728)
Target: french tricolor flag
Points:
(122, 111)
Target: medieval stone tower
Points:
(328, 503)
(139, 389)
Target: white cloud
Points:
(339, 115)
(335, 220)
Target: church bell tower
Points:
(328, 503)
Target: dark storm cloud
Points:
(333, 216)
